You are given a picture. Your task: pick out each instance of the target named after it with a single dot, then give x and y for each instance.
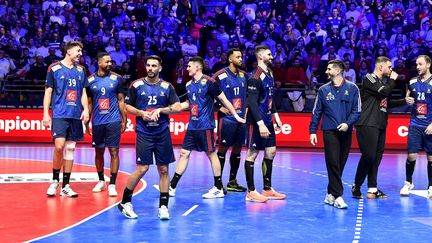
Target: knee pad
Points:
(68, 152)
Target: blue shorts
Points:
(160, 145)
(70, 129)
(256, 142)
(106, 135)
(199, 140)
(231, 133)
(419, 140)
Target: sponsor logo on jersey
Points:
(71, 95)
(222, 76)
(262, 76)
(421, 109)
(91, 79)
(104, 104)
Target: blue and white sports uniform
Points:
(260, 88)
(230, 131)
(106, 119)
(152, 137)
(201, 95)
(421, 116)
(67, 84)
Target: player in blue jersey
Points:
(260, 132)
(232, 81)
(202, 91)
(151, 100)
(65, 90)
(420, 128)
(106, 102)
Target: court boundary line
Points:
(89, 217)
(190, 210)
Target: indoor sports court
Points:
(28, 215)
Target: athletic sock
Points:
(429, 171)
(163, 199)
(113, 178)
(267, 167)
(235, 164)
(101, 175)
(66, 178)
(410, 165)
(56, 174)
(218, 182)
(175, 180)
(127, 195)
(249, 171)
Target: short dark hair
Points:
(102, 54)
(260, 48)
(154, 57)
(197, 59)
(232, 50)
(426, 57)
(382, 59)
(337, 63)
(72, 44)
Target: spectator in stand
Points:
(335, 20)
(38, 70)
(213, 42)
(118, 55)
(312, 60)
(126, 32)
(347, 48)
(52, 57)
(321, 34)
(189, 49)
(349, 73)
(7, 65)
(331, 50)
(296, 74)
(221, 64)
(223, 36)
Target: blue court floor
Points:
(302, 217)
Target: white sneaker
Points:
(430, 192)
(406, 189)
(112, 190)
(329, 199)
(214, 193)
(171, 191)
(340, 203)
(127, 210)
(52, 189)
(68, 192)
(100, 186)
(164, 213)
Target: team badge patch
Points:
(71, 95)
(113, 77)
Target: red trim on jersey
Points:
(257, 73)
(219, 73)
(52, 65)
(250, 135)
(209, 78)
(141, 79)
(209, 142)
(219, 130)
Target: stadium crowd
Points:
(303, 37)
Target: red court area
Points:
(27, 212)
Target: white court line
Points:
(89, 217)
(190, 210)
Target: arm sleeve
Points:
(120, 86)
(173, 98)
(131, 96)
(356, 108)
(214, 88)
(273, 108)
(85, 81)
(217, 102)
(50, 79)
(377, 88)
(253, 91)
(89, 92)
(316, 114)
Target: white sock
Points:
(372, 189)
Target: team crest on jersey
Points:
(56, 67)
(222, 76)
(241, 75)
(80, 69)
(113, 77)
(165, 85)
(91, 79)
(204, 81)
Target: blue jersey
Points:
(67, 84)
(103, 91)
(234, 87)
(336, 105)
(260, 87)
(148, 97)
(421, 115)
(201, 95)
